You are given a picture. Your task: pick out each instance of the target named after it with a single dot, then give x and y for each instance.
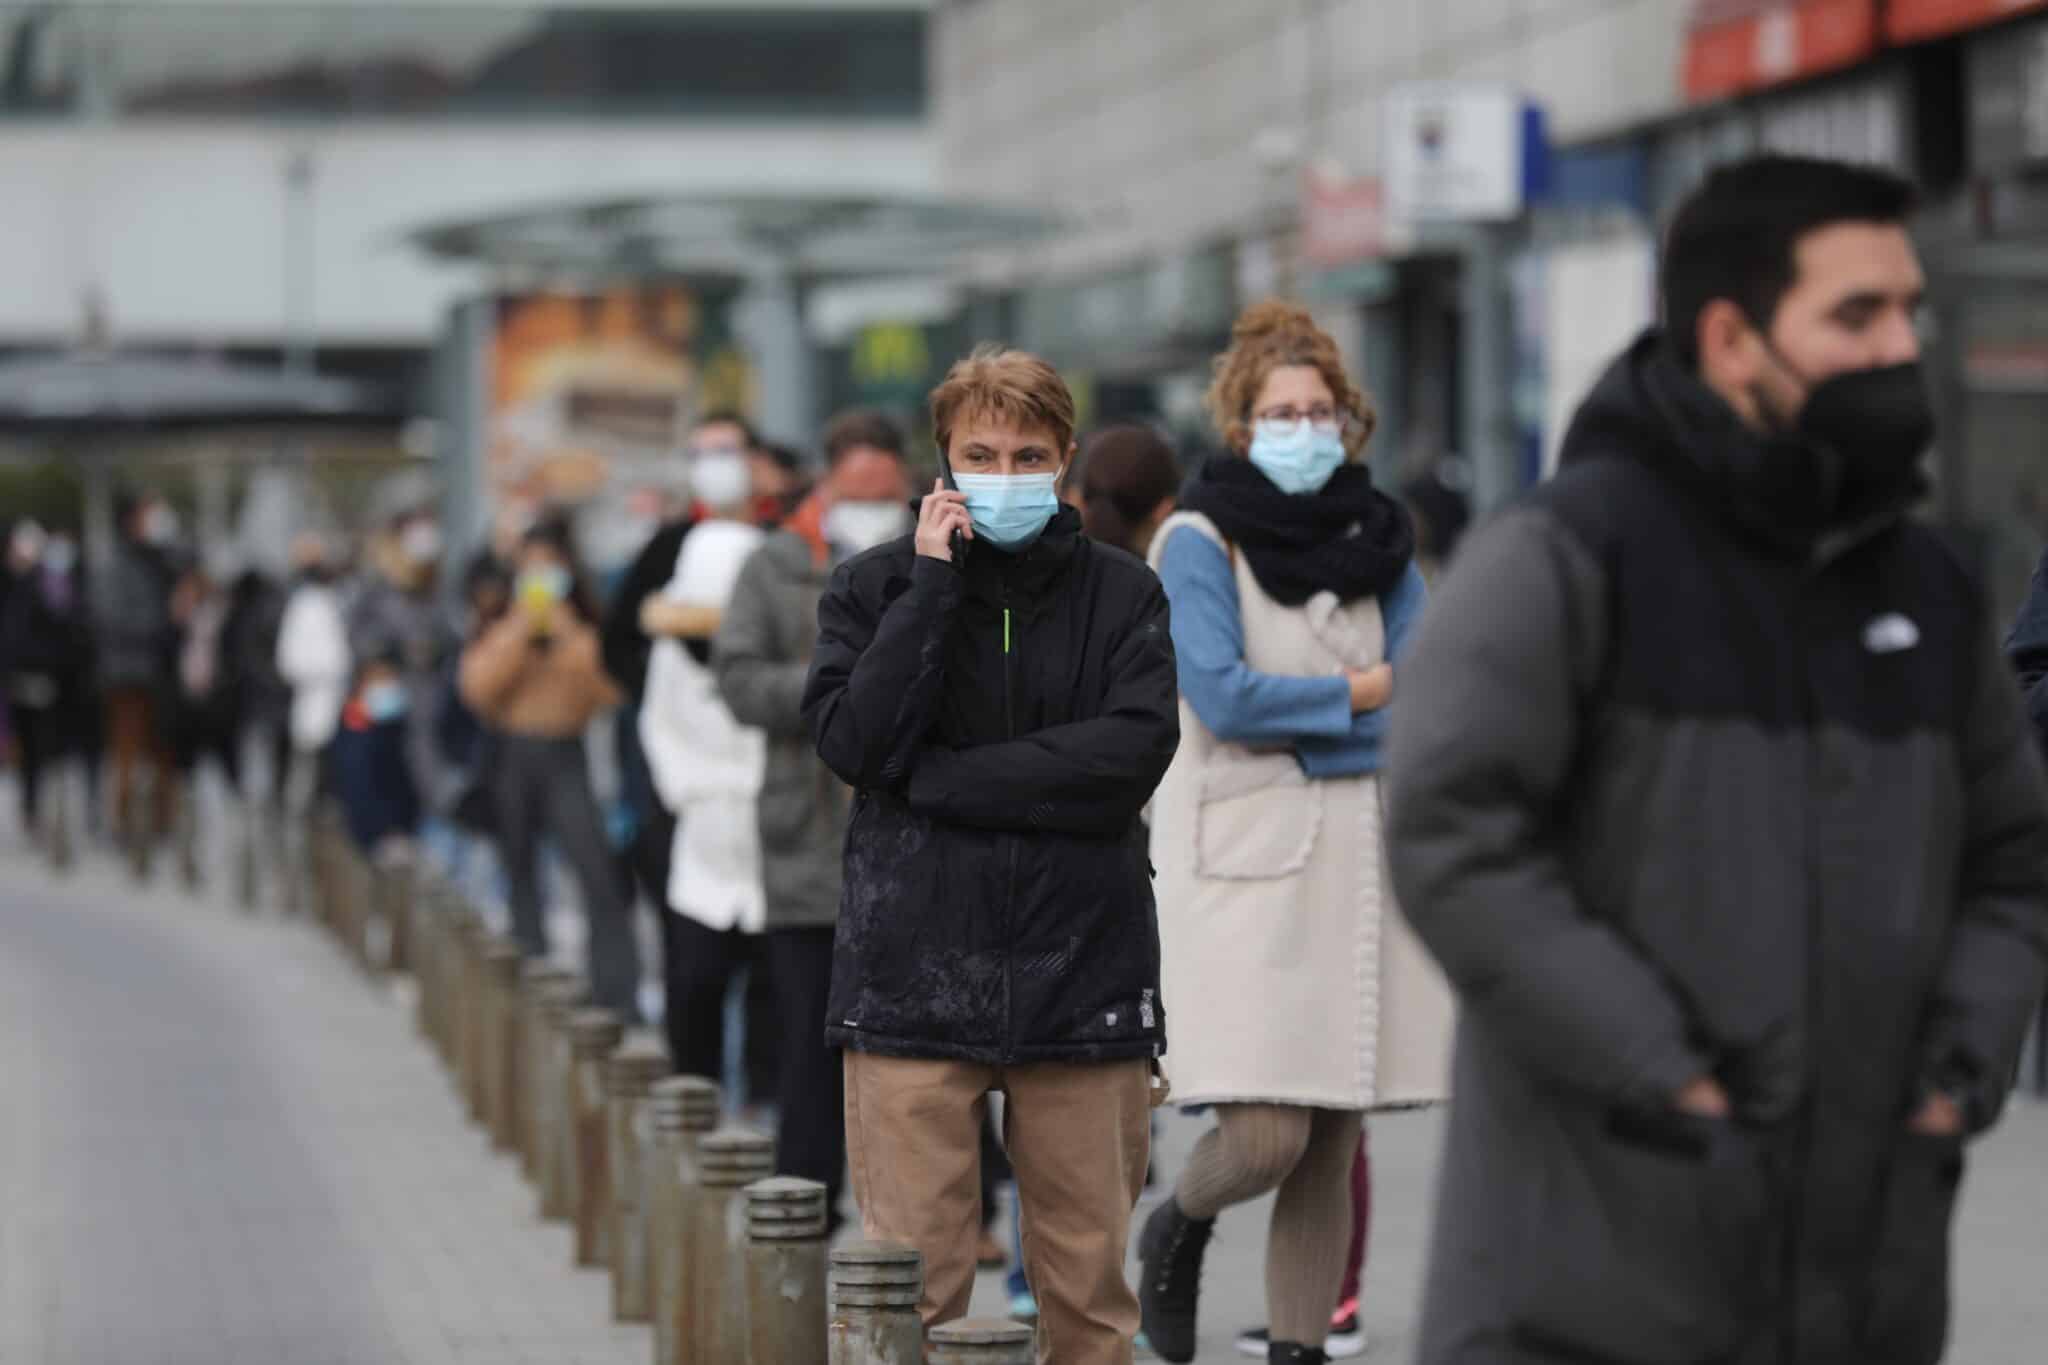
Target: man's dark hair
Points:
(1737, 235)
(862, 427)
(729, 417)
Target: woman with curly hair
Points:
(1294, 591)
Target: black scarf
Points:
(1350, 538)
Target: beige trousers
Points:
(1078, 1136)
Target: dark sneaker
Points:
(1347, 1339)
(1170, 1279)
(1287, 1353)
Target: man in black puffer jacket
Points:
(1003, 721)
(1713, 797)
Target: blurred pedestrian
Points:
(314, 660)
(719, 463)
(707, 768)
(537, 678)
(137, 642)
(1440, 512)
(369, 764)
(205, 719)
(998, 690)
(1128, 481)
(262, 717)
(1712, 794)
(45, 648)
(1294, 593)
(762, 654)
(399, 615)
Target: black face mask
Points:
(1859, 436)
(1877, 422)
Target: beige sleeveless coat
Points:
(1288, 974)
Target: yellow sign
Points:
(891, 353)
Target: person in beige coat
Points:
(1294, 588)
(537, 679)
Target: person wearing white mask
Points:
(762, 654)
(402, 614)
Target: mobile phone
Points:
(958, 544)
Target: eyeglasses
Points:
(1321, 416)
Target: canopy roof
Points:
(817, 238)
(88, 390)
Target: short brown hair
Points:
(862, 427)
(1268, 336)
(1013, 386)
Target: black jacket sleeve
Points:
(1088, 777)
(1985, 997)
(876, 671)
(623, 643)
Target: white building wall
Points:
(180, 228)
(1156, 124)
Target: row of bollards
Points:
(727, 1262)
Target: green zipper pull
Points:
(1006, 630)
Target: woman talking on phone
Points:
(536, 678)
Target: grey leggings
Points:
(542, 788)
(1305, 1154)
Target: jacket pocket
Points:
(1906, 1322)
(1653, 1238)
(1256, 819)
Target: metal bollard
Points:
(536, 980)
(424, 929)
(469, 937)
(627, 1124)
(556, 1151)
(982, 1341)
(684, 1109)
(728, 1162)
(785, 1258)
(875, 1288)
(502, 962)
(463, 924)
(476, 1009)
(394, 883)
(593, 1037)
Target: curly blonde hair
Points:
(1267, 336)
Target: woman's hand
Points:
(943, 513)
(1371, 688)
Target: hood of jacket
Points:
(1650, 408)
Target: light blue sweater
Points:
(1310, 715)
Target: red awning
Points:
(1912, 21)
(1734, 46)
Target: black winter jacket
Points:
(1677, 790)
(1003, 726)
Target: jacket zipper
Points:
(1010, 896)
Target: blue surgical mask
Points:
(1299, 457)
(385, 701)
(1010, 511)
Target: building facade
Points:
(1207, 152)
(242, 174)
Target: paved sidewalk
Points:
(218, 1143)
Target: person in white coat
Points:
(314, 660)
(707, 770)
